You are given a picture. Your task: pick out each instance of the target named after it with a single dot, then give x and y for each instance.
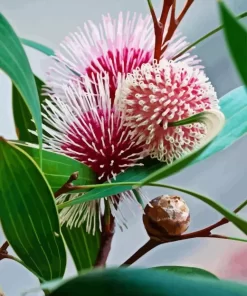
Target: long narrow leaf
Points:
(14, 62)
(232, 217)
(28, 213)
(236, 36)
(38, 46)
(22, 115)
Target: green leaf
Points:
(83, 247)
(136, 282)
(22, 115)
(28, 214)
(14, 62)
(234, 107)
(134, 174)
(40, 47)
(187, 271)
(236, 37)
(58, 168)
(211, 33)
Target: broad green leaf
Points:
(187, 271)
(22, 115)
(234, 107)
(83, 247)
(38, 46)
(58, 168)
(28, 213)
(136, 282)
(14, 62)
(236, 37)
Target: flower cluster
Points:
(111, 103)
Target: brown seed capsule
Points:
(166, 216)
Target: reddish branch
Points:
(161, 42)
(4, 253)
(152, 243)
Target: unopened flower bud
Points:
(166, 216)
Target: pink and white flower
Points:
(93, 131)
(157, 94)
(115, 48)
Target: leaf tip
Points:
(2, 139)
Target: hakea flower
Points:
(157, 94)
(115, 47)
(89, 129)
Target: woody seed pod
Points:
(166, 216)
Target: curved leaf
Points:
(38, 46)
(236, 37)
(58, 168)
(134, 174)
(83, 247)
(135, 282)
(14, 62)
(22, 116)
(28, 213)
(187, 271)
(234, 107)
(214, 121)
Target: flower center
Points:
(100, 140)
(124, 62)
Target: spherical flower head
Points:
(157, 94)
(114, 47)
(89, 129)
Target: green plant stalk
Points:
(240, 16)
(237, 221)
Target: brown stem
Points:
(205, 232)
(149, 245)
(68, 186)
(105, 242)
(5, 246)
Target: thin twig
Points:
(68, 186)
(149, 245)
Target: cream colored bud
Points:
(166, 216)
